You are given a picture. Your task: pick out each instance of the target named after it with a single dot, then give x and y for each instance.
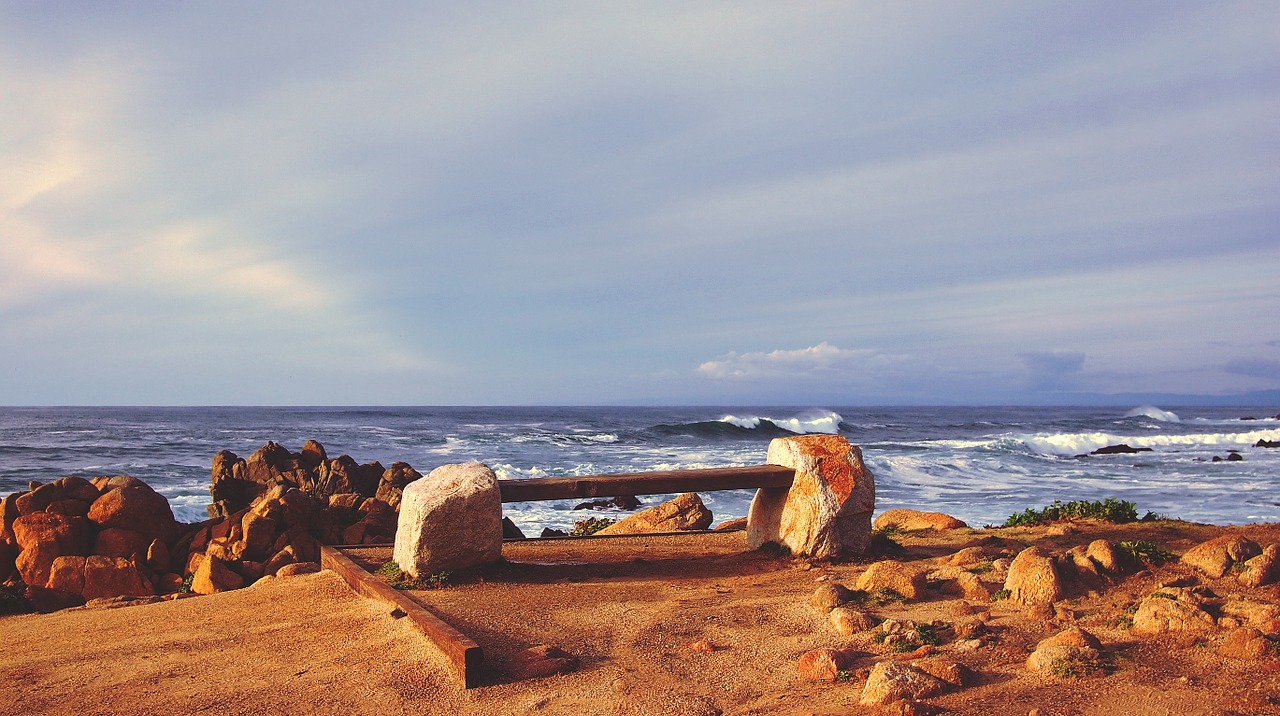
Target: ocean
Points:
(980, 464)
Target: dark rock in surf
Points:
(1267, 444)
(510, 530)
(1234, 456)
(1121, 449)
(621, 502)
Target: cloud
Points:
(821, 361)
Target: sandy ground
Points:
(628, 608)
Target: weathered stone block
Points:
(827, 510)
(451, 519)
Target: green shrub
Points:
(1146, 552)
(589, 526)
(1108, 510)
(399, 579)
(185, 587)
(1000, 595)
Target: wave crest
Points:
(1151, 411)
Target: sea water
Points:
(980, 464)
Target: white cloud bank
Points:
(823, 361)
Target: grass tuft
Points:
(1146, 552)
(589, 526)
(400, 579)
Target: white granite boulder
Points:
(450, 519)
(827, 510)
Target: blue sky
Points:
(558, 203)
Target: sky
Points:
(847, 203)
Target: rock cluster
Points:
(236, 481)
(75, 540)
(684, 512)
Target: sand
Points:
(629, 609)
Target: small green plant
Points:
(844, 675)
(589, 526)
(13, 600)
(775, 550)
(1074, 667)
(1163, 595)
(878, 598)
(1146, 552)
(982, 567)
(1108, 510)
(926, 634)
(883, 542)
(879, 636)
(400, 579)
(1238, 568)
(185, 587)
(1001, 595)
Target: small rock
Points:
(847, 621)
(823, 664)
(1171, 609)
(1121, 449)
(734, 525)
(911, 520)
(1033, 579)
(1263, 569)
(893, 680)
(958, 675)
(902, 578)
(683, 513)
(829, 596)
(291, 570)
(1245, 643)
(1216, 556)
(702, 646)
(967, 556)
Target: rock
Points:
(966, 557)
(1263, 569)
(290, 570)
(621, 502)
(259, 535)
(348, 501)
(70, 508)
(735, 525)
(1245, 643)
(168, 583)
(539, 661)
(134, 507)
(8, 556)
(215, 576)
(970, 587)
(1216, 556)
(230, 486)
(905, 579)
(42, 537)
(893, 680)
(823, 664)
(46, 600)
(9, 509)
(60, 490)
(682, 513)
(904, 707)
(344, 474)
(1252, 612)
(1268, 443)
(1172, 609)
(1033, 579)
(1073, 636)
(1121, 449)
(116, 542)
(510, 530)
(955, 674)
(451, 519)
(391, 485)
(848, 621)
(826, 512)
(1064, 660)
(552, 532)
(1234, 456)
(702, 646)
(66, 574)
(911, 520)
(829, 596)
(313, 454)
(113, 577)
(1104, 555)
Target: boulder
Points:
(905, 579)
(116, 542)
(391, 485)
(9, 508)
(66, 574)
(1064, 660)
(912, 520)
(1104, 555)
(827, 510)
(736, 524)
(848, 621)
(1268, 443)
(344, 474)
(1172, 609)
(893, 680)
(215, 576)
(829, 596)
(134, 507)
(1263, 569)
(510, 530)
(1245, 643)
(1033, 579)
(824, 664)
(451, 519)
(113, 577)
(8, 556)
(43, 537)
(539, 661)
(230, 486)
(682, 513)
(60, 490)
(1121, 449)
(259, 535)
(1216, 556)
(967, 556)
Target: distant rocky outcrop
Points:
(684, 512)
(1121, 449)
(237, 481)
(912, 520)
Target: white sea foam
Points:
(810, 421)
(1067, 444)
(1154, 413)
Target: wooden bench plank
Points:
(465, 655)
(646, 483)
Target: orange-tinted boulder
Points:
(134, 507)
(116, 542)
(215, 576)
(43, 537)
(113, 577)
